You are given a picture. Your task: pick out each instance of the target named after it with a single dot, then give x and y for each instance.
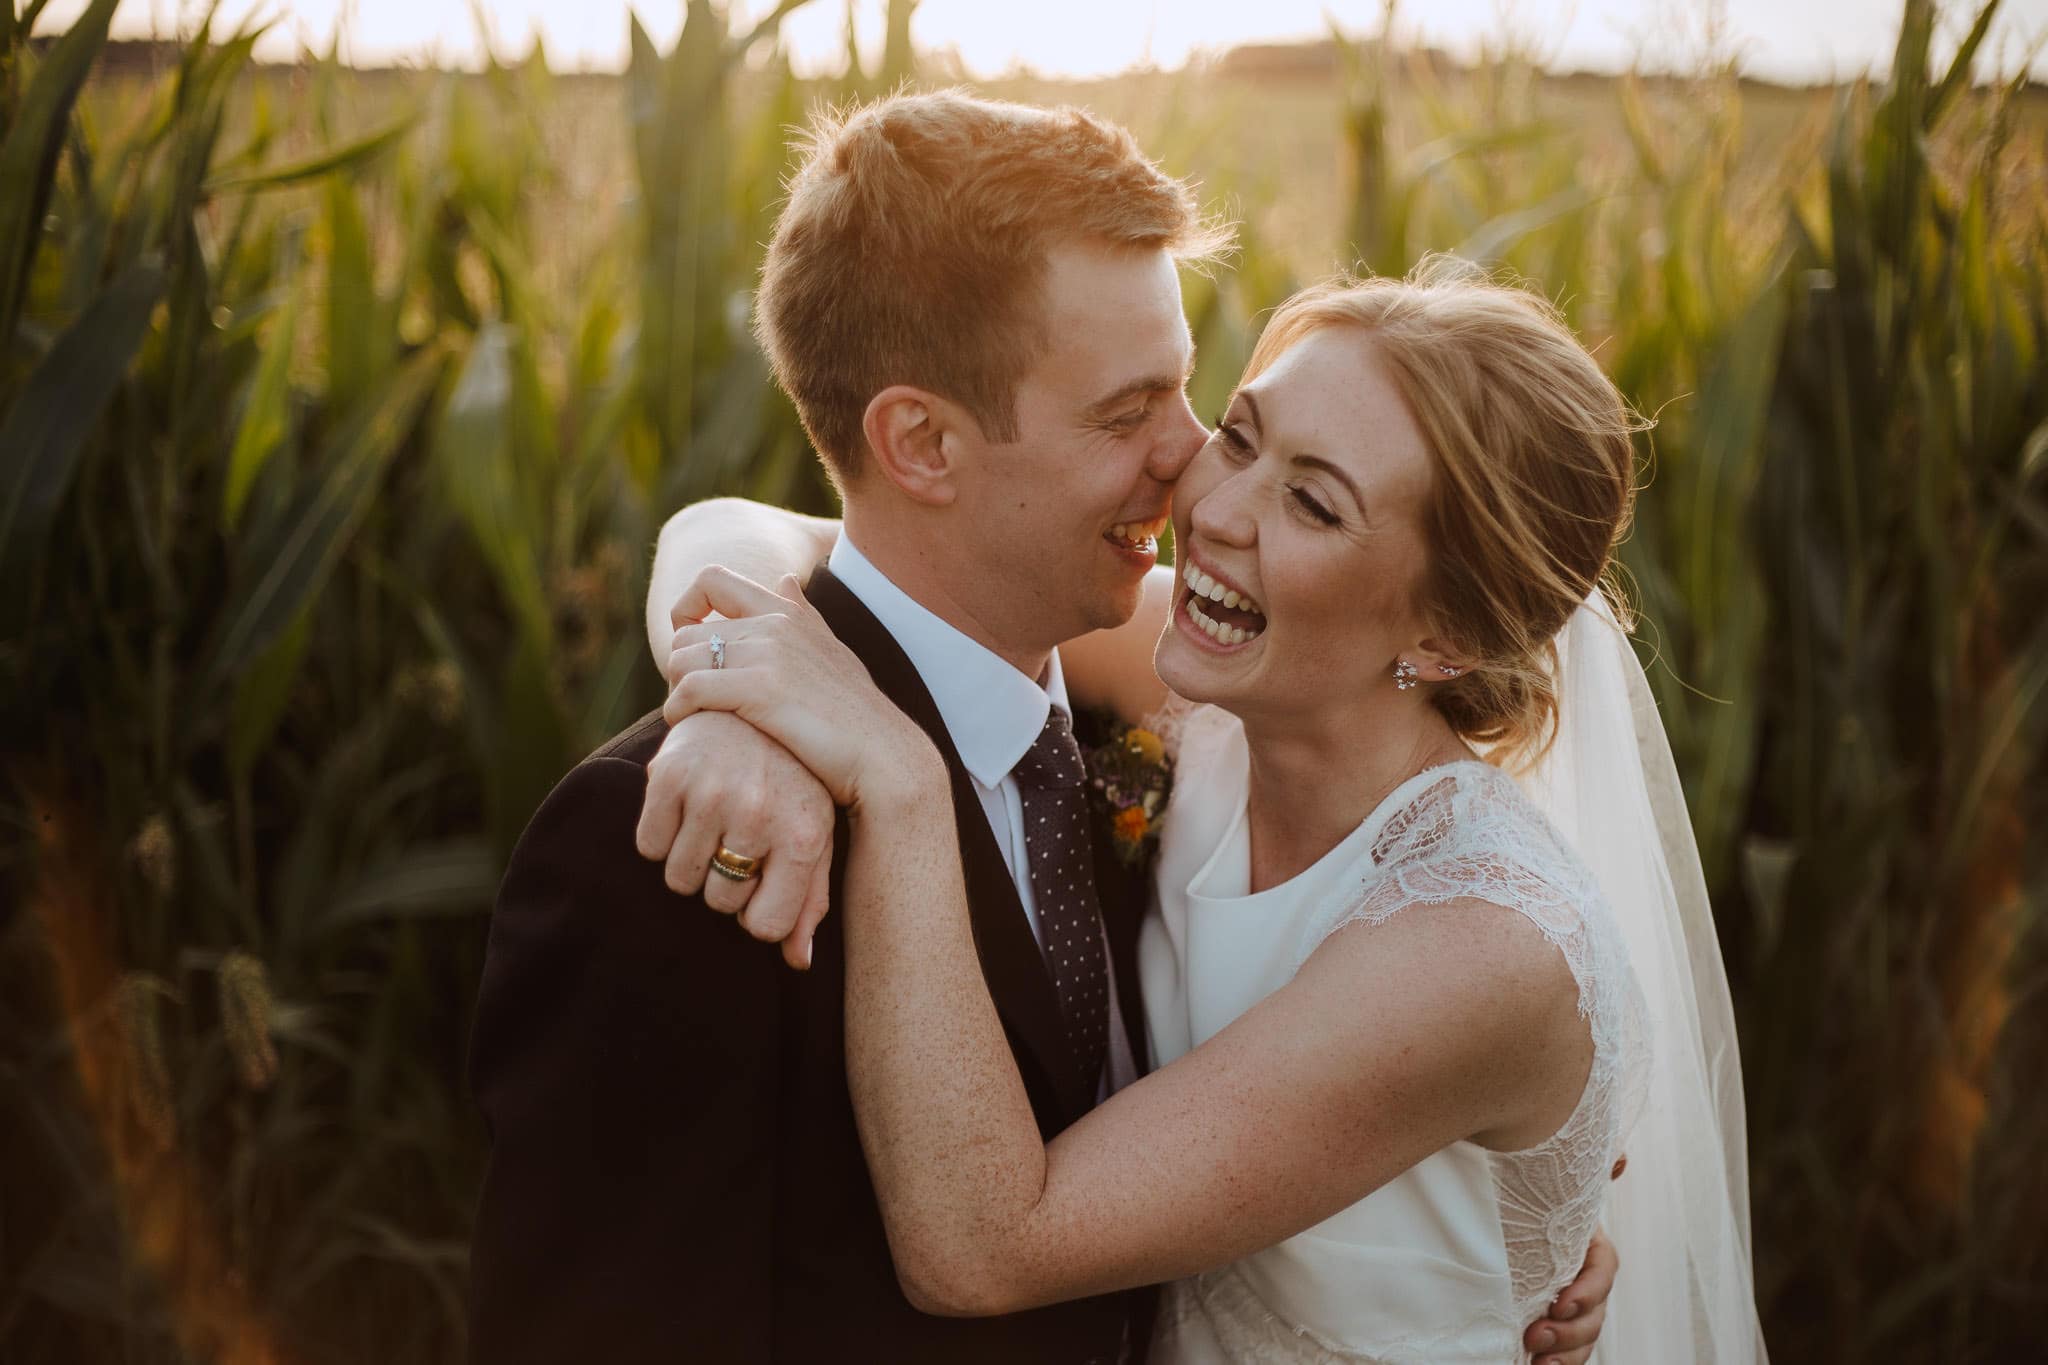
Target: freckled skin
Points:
(1320, 1093)
(1337, 598)
(1323, 1091)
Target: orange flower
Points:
(1145, 745)
(1131, 824)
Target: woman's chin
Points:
(1196, 671)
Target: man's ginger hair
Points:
(913, 249)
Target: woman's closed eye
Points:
(1312, 508)
(1239, 447)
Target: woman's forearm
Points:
(756, 540)
(949, 1133)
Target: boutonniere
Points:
(1129, 779)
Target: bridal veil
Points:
(1679, 1215)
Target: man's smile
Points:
(1138, 537)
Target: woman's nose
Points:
(1225, 512)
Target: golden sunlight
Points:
(1815, 41)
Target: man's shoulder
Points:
(592, 811)
(636, 743)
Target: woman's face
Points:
(1307, 504)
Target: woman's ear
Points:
(913, 435)
(1437, 660)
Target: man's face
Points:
(1064, 520)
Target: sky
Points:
(1792, 40)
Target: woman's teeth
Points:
(1208, 599)
(1216, 630)
(1204, 586)
(1137, 535)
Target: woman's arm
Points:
(760, 542)
(1306, 1104)
(1303, 1106)
(1112, 669)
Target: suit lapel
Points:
(1010, 958)
(1125, 892)
(1121, 890)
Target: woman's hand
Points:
(785, 673)
(762, 542)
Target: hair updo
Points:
(1532, 475)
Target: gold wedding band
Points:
(733, 867)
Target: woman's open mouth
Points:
(1224, 615)
(1137, 537)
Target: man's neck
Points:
(931, 580)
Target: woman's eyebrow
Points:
(1311, 461)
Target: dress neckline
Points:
(1230, 863)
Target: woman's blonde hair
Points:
(1532, 480)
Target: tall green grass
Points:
(325, 529)
(327, 477)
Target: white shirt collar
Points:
(993, 712)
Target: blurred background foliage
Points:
(338, 410)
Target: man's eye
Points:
(1129, 421)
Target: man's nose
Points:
(1178, 444)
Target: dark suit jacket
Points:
(675, 1174)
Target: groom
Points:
(975, 308)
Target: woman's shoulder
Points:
(1470, 831)
(1467, 836)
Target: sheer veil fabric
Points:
(1679, 1215)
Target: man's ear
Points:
(914, 437)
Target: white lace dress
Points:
(1450, 1261)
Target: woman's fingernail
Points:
(1545, 1339)
(1568, 1310)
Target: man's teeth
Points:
(1202, 585)
(1137, 532)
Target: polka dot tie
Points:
(1052, 781)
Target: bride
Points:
(1430, 947)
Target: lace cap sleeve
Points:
(1468, 834)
